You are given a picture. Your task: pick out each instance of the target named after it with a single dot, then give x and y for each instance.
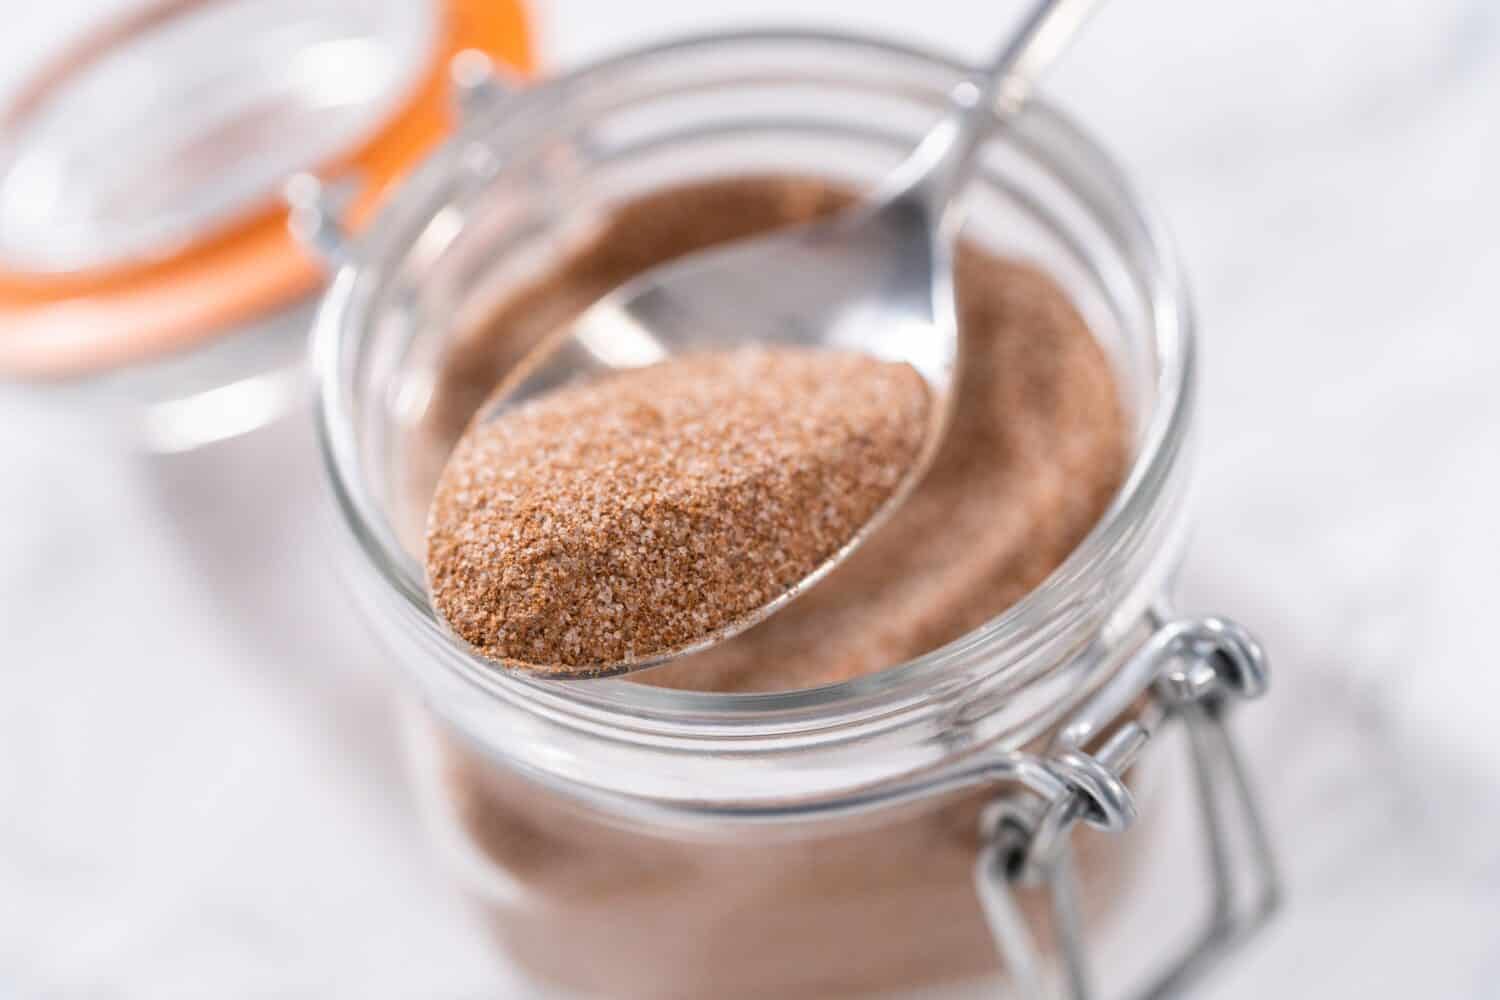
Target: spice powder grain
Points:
(628, 517)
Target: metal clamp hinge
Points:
(477, 85)
(318, 207)
(1189, 670)
(316, 211)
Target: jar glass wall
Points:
(639, 841)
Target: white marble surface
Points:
(196, 782)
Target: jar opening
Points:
(1113, 574)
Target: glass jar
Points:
(880, 833)
(150, 293)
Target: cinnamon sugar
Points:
(625, 518)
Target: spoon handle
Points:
(1027, 54)
(939, 166)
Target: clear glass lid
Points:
(188, 116)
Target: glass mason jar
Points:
(905, 828)
(150, 293)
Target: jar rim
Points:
(872, 699)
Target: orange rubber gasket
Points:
(54, 326)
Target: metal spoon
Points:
(877, 278)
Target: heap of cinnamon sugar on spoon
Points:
(652, 511)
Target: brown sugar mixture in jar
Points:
(1037, 445)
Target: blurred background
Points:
(197, 786)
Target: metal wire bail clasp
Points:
(1190, 670)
